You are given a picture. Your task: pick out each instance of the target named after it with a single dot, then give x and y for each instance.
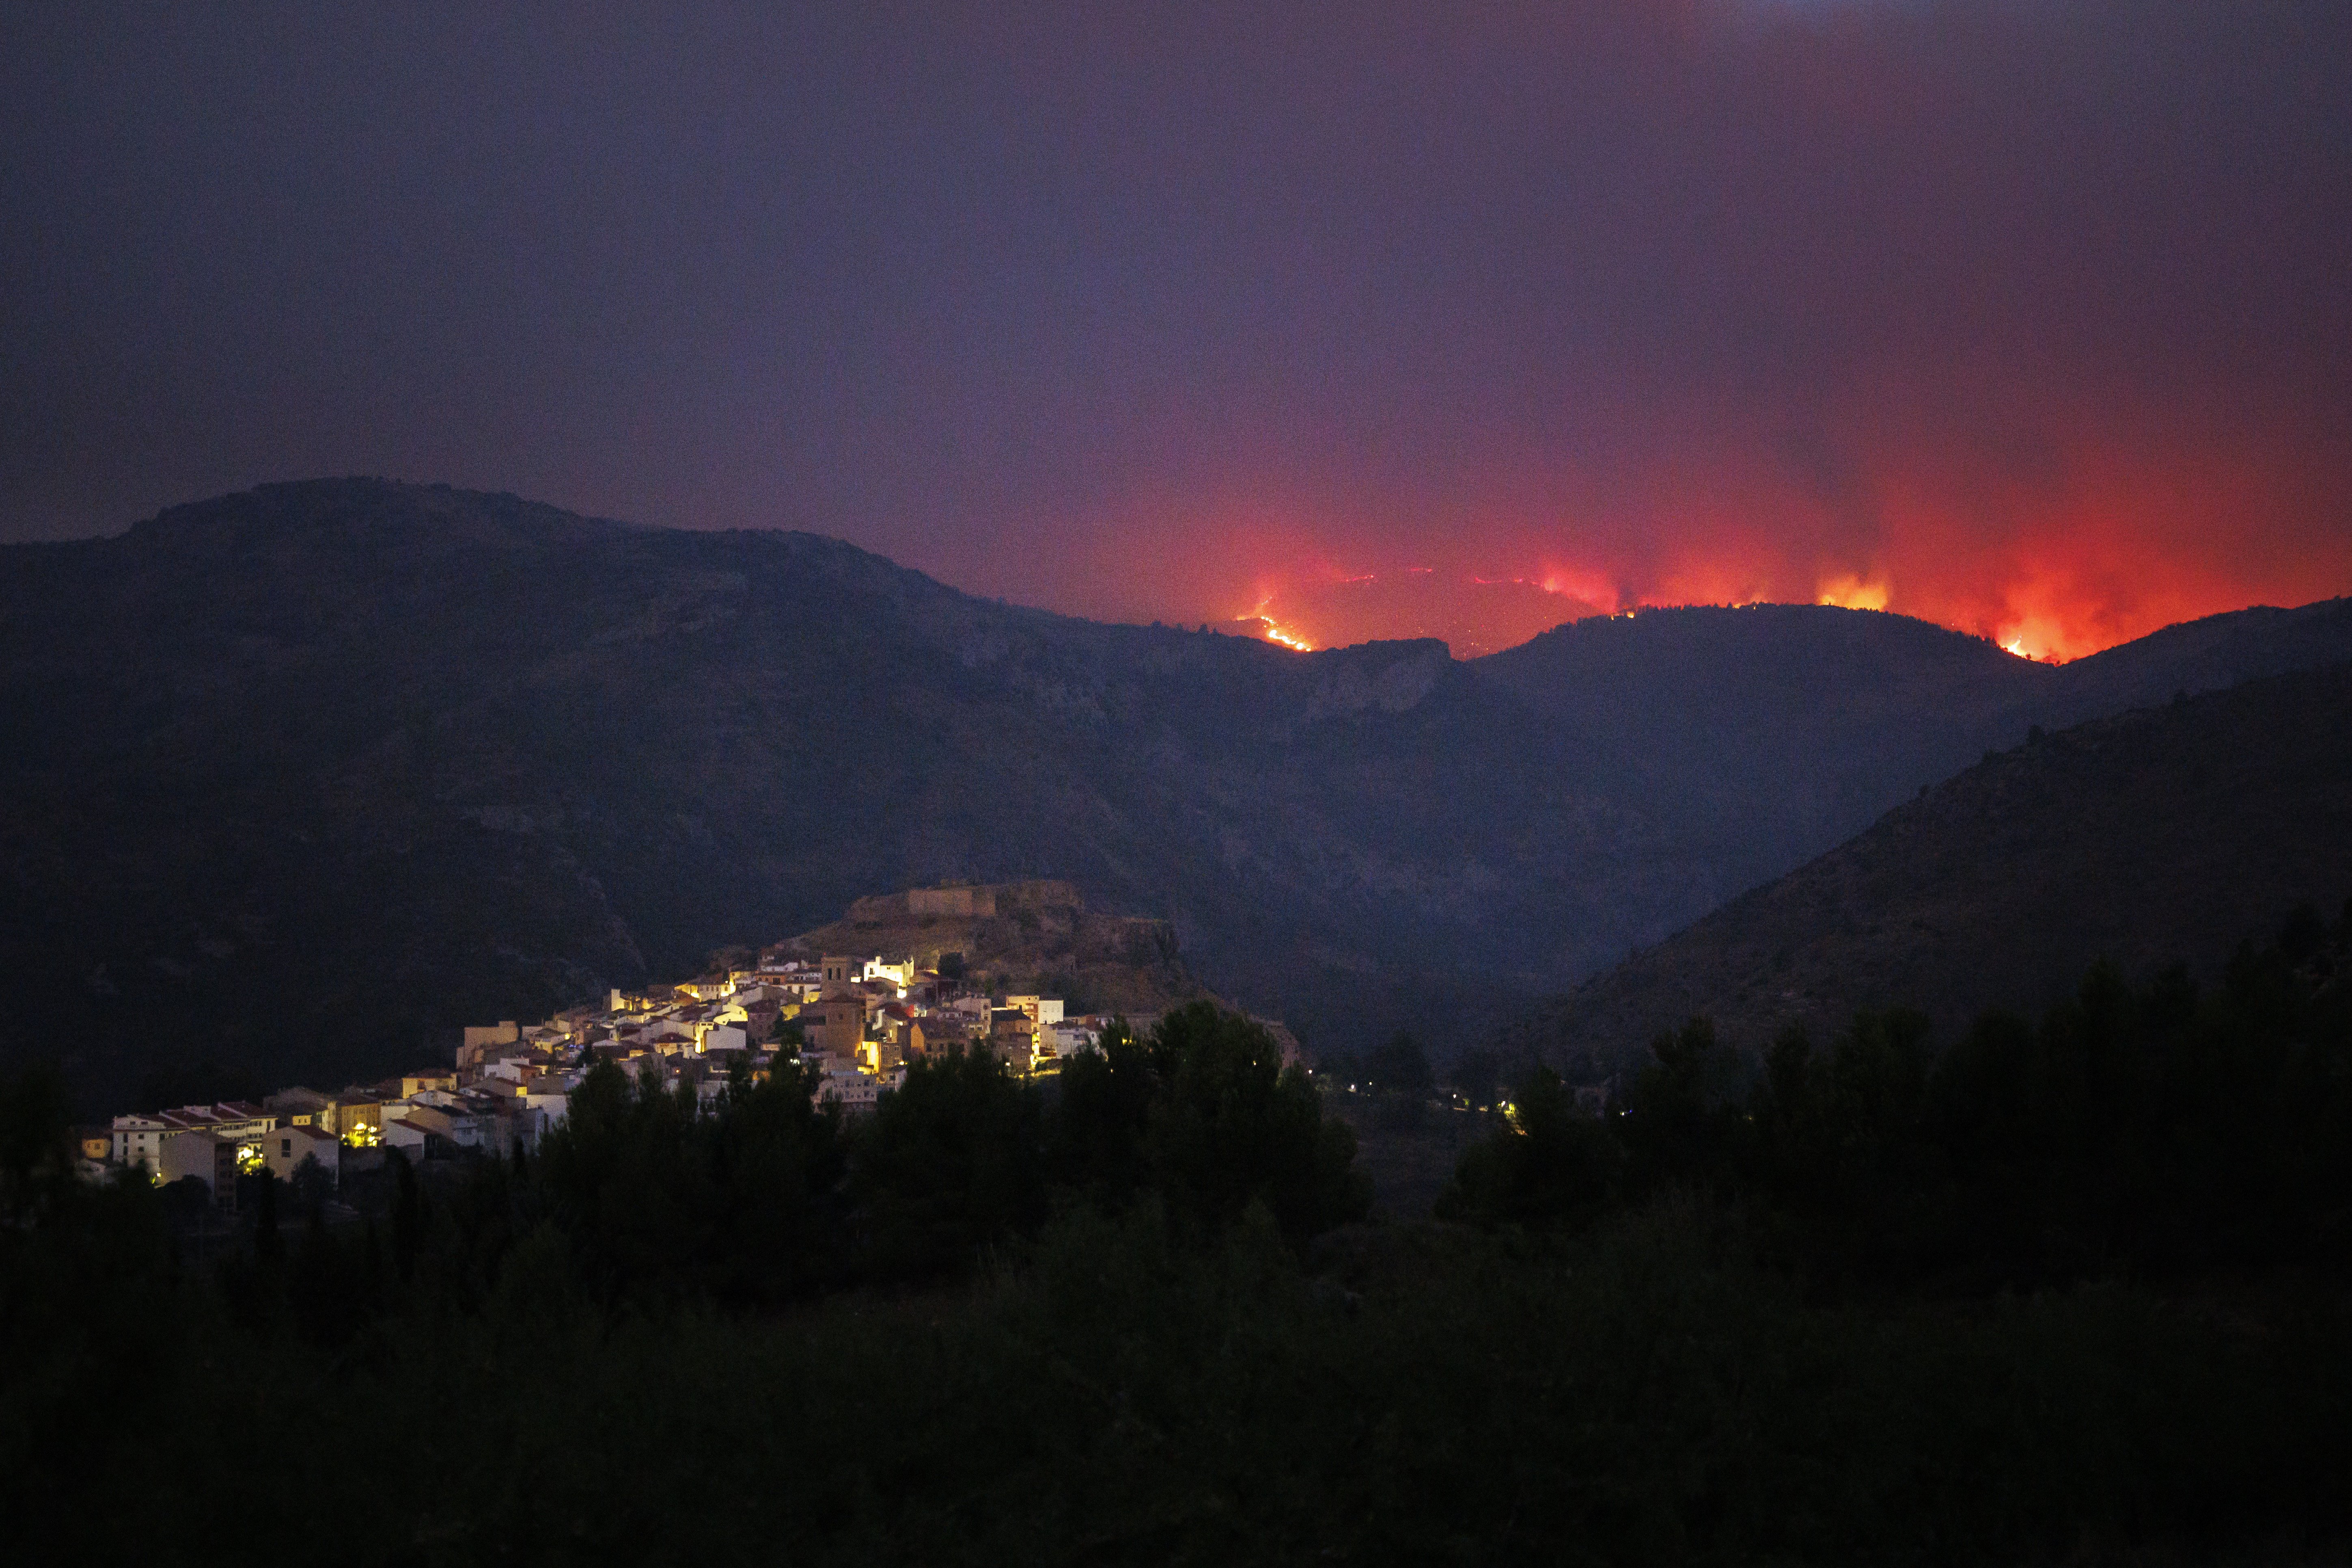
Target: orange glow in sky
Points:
(2091, 538)
(2043, 606)
(1853, 592)
(2049, 522)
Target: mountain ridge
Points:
(304, 776)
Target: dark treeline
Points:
(1857, 1305)
(646, 1198)
(2157, 1131)
(764, 1198)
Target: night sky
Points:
(2033, 317)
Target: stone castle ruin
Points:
(1038, 930)
(971, 901)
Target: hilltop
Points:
(1034, 936)
(2133, 838)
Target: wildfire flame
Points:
(1274, 633)
(1854, 593)
(2033, 609)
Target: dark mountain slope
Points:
(2134, 838)
(299, 777)
(1759, 735)
(2206, 654)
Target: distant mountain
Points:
(2146, 839)
(301, 779)
(1760, 735)
(2208, 654)
(1748, 739)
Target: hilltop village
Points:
(850, 1023)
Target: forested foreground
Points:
(2159, 1133)
(1817, 1316)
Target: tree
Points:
(1095, 1140)
(408, 1216)
(778, 1159)
(947, 1164)
(35, 1142)
(328, 1290)
(311, 1183)
(1554, 1162)
(1230, 1125)
(1680, 1115)
(1479, 1074)
(1400, 1065)
(268, 1247)
(659, 1195)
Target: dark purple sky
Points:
(2034, 318)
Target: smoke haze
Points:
(2032, 320)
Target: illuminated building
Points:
(835, 1024)
(210, 1157)
(284, 1148)
(138, 1142)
